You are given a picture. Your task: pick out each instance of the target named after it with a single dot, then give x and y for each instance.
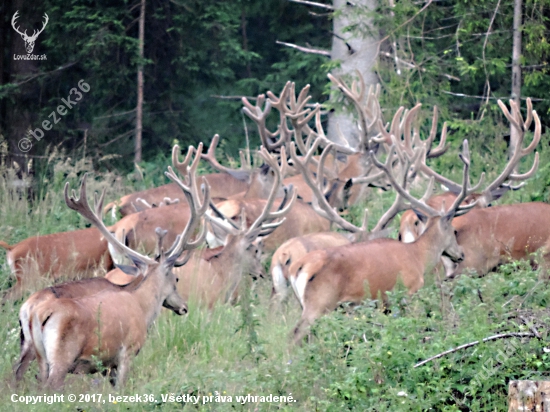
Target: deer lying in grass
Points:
(213, 275)
(80, 253)
(110, 326)
(325, 278)
(500, 234)
(411, 227)
(222, 185)
(487, 237)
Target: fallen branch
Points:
(531, 327)
(467, 345)
(304, 49)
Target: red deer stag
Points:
(73, 289)
(111, 326)
(213, 275)
(297, 247)
(299, 220)
(411, 227)
(347, 187)
(327, 277)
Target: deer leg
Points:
(27, 356)
(60, 361)
(121, 367)
(43, 369)
(14, 293)
(310, 314)
(113, 375)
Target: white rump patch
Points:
(299, 285)
(279, 281)
(212, 241)
(11, 263)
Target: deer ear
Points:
(421, 216)
(129, 270)
(242, 175)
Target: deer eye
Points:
(456, 232)
(177, 280)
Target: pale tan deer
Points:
(213, 275)
(292, 250)
(325, 278)
(77, 254)
(111, 326)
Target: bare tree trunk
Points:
(354, 53)
(139, 108)
(516, 69)
(245, 42)
(528, 396)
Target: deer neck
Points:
(429, 247)
(148, 296)
(233, 262)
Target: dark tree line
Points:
(198, 55)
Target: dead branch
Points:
(467, 345)
(304, 49)
(413, 66)
(313, 3)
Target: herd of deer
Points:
(286, 206)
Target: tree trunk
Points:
(354, 53)
(516, 69)
(529, 396)
(139, 108)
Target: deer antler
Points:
(267, 215)
(210, 156)
(259, 117)
(80, 204)
(197, 205)
(516, 119)
(320, 203)
(369, 112)
(421, 204)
